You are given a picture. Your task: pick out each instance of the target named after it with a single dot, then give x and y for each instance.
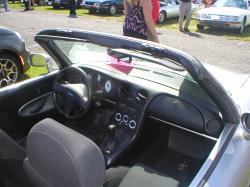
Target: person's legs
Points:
(5, 4)
(72, 8)
(181, 14)
(29, 4)
(188, 15)
(26, 4)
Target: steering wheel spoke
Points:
(58, 88)
(69, 106)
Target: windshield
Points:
(120, 59)
(231, 3)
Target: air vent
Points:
(125, 91)
(141, 97)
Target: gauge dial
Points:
(108, 86)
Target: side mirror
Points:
(42, 60)
(246, 125)
(38, 60)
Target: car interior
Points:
(95, 125)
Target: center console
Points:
(122, 128)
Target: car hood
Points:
(5, 31)
(227, 11)
(233, 82)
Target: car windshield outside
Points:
(231, 3)
(123, 60)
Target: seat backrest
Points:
(57, 156)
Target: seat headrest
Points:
(63, 157)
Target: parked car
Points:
(125, 112)
(169, 9)
(110, 6)
(13, 56)
(231, 14)
(63, 3)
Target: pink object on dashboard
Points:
(120, 64)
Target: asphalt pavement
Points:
(216, 50)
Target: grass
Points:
(34, 72)
(39, 68)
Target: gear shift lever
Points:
(112, 128)
(110, 140)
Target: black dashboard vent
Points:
(141, 96)
(125, 91)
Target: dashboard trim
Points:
(183, 128)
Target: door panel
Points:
(13, 97)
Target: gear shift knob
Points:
(112, 127)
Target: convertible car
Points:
(124, 112)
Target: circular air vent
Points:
(141, 97)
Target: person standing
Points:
(138, 20)
(72, 9)
(5, 5)
(185, 10)
(31, 4)
(26, 5)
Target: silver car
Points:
(13, 57)
(231, 14)
(169, 9)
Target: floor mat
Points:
(168, 162)
(4, 182)
(178, 167)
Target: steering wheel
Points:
(72, 92)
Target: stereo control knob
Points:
(125, 118)
(118, 117)
(132, 124)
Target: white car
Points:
(169, 9)
(232, 14)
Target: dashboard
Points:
(134, 99)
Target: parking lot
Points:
(208, 48)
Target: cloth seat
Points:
(11, 159)
(137, 176)
(57, 156)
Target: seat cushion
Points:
(138, 176)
